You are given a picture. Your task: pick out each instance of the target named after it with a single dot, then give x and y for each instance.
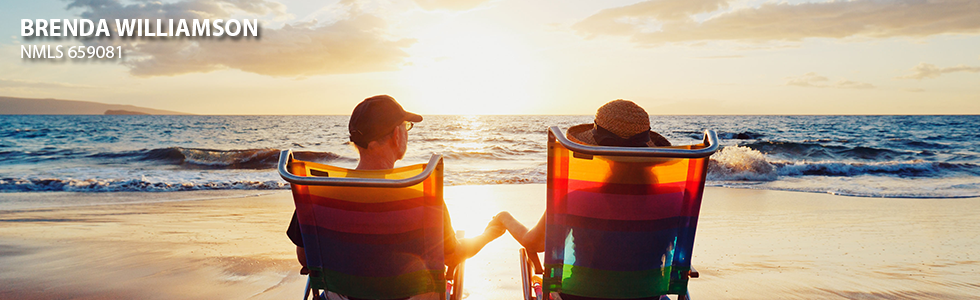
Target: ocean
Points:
(868, 156)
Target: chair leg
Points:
(458, 281)
(529, 267)
(317, 294)
(458, 275)
(306, 294)
(525, 275)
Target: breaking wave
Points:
(913, 168)
(742, 163)
(814, 151)
(219, 159)
(737, 163)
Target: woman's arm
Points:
(532, 239)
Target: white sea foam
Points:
(899, 168)
(129, 180)
(870, 186)
(734, 163)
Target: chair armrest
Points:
(693, 273)
(535, 262)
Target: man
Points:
(379, 130)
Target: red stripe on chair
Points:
(695, 189)
(623, 207)
(391, 222)
(373, 207)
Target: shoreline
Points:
(25, 201)
(750, 244)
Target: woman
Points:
(619, 123)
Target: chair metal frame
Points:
(710, 139)
(530, 262)
(286, 157)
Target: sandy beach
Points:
(751, 244)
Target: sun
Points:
(462, 71)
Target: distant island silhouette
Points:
(33, 106)
(124, 112)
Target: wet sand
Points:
(751, 244)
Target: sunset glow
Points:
(519, 57)
(460, 72)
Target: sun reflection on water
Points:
(470, 136)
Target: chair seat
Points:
(620, 222)
(375, 234)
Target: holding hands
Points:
(494, 229)
(532, 239)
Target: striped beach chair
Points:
(620, 221)
(372, 234)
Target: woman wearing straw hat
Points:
(618, 123)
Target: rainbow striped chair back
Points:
(371, 234)
(621, 221)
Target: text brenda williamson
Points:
(87, 29)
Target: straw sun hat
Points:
(619, 123)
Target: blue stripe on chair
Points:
(621, 225)
(390, 259)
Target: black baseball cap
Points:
(375, 117)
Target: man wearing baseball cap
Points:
(379, 129)
(375, 128)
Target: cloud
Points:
(258, 7)
(187, 9)
(356, 44)
(811, 79)
(924, 70)
(687, 21)
(450, 5)
(721, 57)
(847, 84)
(25, 84)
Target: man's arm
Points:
(301, 255)
(468, 247)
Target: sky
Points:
(521, 57)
